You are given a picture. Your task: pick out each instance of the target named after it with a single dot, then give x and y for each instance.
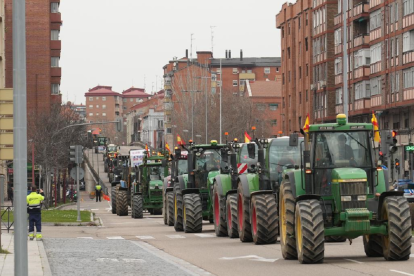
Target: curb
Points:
(89, 223)
(45, 262)
(64, 205)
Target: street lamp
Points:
(192, 109)
(199, 136)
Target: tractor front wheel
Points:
(137, 206)
(219, 213)
(122, 203)
(113, 198)
(287, 222)
(232, 227)
(170, 209)
(310, 237)
(192, 213)
(373, 245)
(243, 210)
(397, 244)
(178, 209)
(264, 219)
(164, 208)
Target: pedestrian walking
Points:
(34, 201)
(98, 190)
(10, 193)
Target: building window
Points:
(362, 90)
(260, 107)
(218, 71)
(397, 47)
(306, 95)
(273, 122)
(337, 37)
(104, 106)
(283, 102)
(277, 69)
(219, 83)
(408, 6)
(290, 101)
(396, 12)
(97, 114)
(307, 69)
(54, 7)
(213, 90)
(90, 114)
(299, 22)
(300, 121)
(97, 106)
(392, 14)
(54, 34)
(137, 100)
(283, 32)
(54, 61)
(362, 58)
(375, 20)
(90, 106)
(289, 75)
(283, 78)
(124, 100)
(288, 50)
(235, 71)
(91, 99)
(55, 89)
(306, 44)
(131, 100)
(408, 41)
(288, 28)
(338, 96)
(273, 106)
(375, 86)
(103, 114)
(306, 15)
(103, 98)
(267, 70)
(300, 97)
(338, 66)
(97, 98)
(375, 53)
(235, 82)
(408, 79)
(300, 72)
(397, 82)
(124, 107)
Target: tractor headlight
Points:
(346, 198)
(362, 197)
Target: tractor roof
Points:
(340, 125)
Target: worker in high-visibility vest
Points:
(34, 201)
(98, 190)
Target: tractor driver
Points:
(155, 174)
(345, 152)
(211, 164)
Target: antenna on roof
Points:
(191, 48)
(212, 37)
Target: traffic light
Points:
(393, 147)
(79, 154)
(72, 154)
(119, 124)
(397, 165)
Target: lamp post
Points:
(199, 136)
(192, 109)
(186, 131)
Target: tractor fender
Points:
(385, 195)
(165, 184)
(290, 176)
(249, 182)
(123, 189)
(137, 193)
(306, 197)
(182, 182)
(223, 182)
(169, 189)
(114, 183)
(231, 192)
(190, 191)
(261, 192)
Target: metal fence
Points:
(6, 223)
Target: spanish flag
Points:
(247, 137)
(306, 126)
(179, 140)
(167, 147)
(376, 129)
(146, 149)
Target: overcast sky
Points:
(124, 43)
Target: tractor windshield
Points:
(281, 157)
(155, 172)
(244, 155)
(111, 148)
(209, 160)
(182, 167)
(342, 149)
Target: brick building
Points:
(131, 97)
(43, 22)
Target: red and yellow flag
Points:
(179, 140)
(167, 147)
(306, 126)
(247, 137)
(376, 129)
(146, 149)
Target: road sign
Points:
(73, 173)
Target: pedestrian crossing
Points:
(152, 237)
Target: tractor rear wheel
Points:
(397, 244)
(113, 198)
(287, 222)
(335, 239)
(373, 245)
(170, 208)
(122, 203)
(264, 219)
(192, 213)
(310, 237)
(178, 208)
(219, 213)
(232, 227)
(243, 214)
(137, 206)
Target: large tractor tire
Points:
(264, 219)
(192, 213)
(310, 239)
(122, 203)
(178, 208)
(232, 226)
(113, 198)
(373, 245)
(170, 209)
(335, 239)
(219, 213)
(137, 207)
(164, 208)
(287, 222)
(397, 244)
(243, 214)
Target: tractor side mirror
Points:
(293, 140)
(251, 149)
(164, 163)
(224, 155)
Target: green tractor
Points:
(116, 176)
(193, 191)
(179, 167)
(258, 190)
(142, 188)
(341, 191)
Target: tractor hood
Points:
(155, 184)
(346, 174)
(211, 176)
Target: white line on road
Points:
(94, 209)
(251, 258)
(90, 238)
(134, 260)
(354, 261)
(106, 259)
(205, 235)
(145, 237)
(401, 272)
(115, 238)
(176, 237)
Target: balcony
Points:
(375, 34)
(338, 19)
(338, 49)
(338, 79)
(362, 104)
(408, 94)
(55, 45)
(376, 67)
(374, 3)
(339, 109)
(376, 100)
(56, 72)
(56, 17)
(362, 39)
(408, 57)
(360, 11)
(363, 71)
(408, 20)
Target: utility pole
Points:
(20, 137)
(345, 57)
(221, 84)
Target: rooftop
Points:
(101, 90)
(249, 62)
(135, 92)
(266, 89)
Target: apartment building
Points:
(131, 97)
(43, 23)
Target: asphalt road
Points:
(220, 256)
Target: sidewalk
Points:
(38, 263)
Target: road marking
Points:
(134, 260)
(115, 238)
(205, 235)
(90, 238)
(145, 237)
(251, 258)
(106, 259)
(176, 237)
(94, 209)
(354, 261)
(401, 272)
(412, 255)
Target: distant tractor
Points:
(340, 190)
